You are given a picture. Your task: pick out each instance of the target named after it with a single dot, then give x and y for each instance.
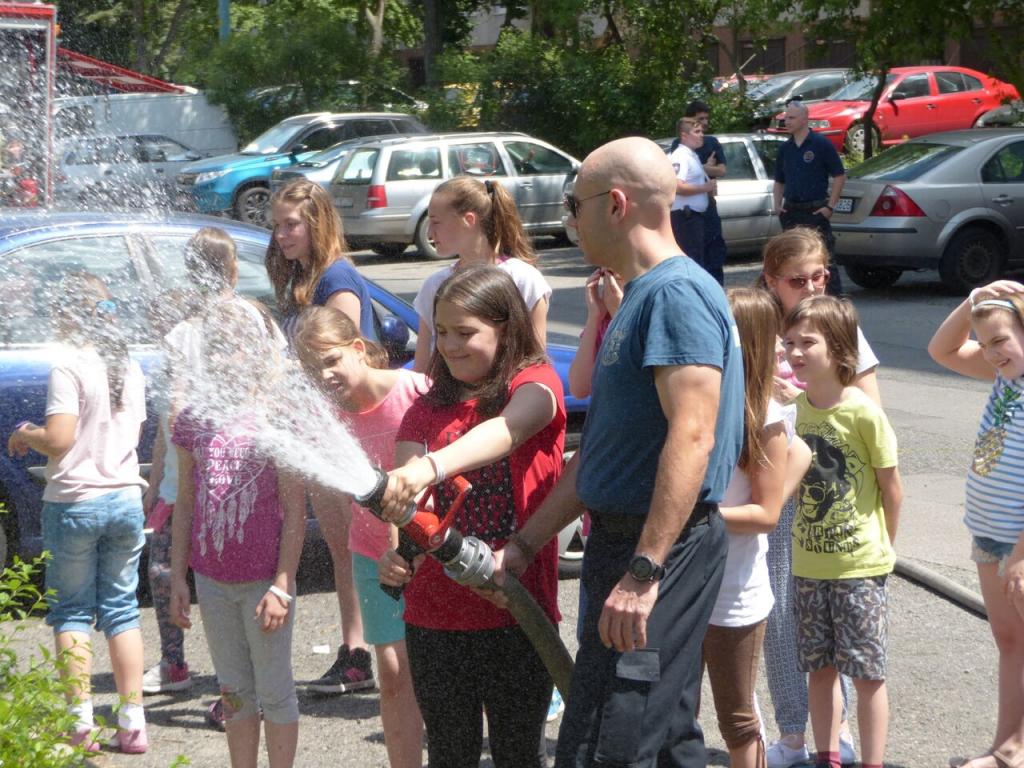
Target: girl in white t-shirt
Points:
(372, 400)
(771, 464)
(477, 223)
(92, 505)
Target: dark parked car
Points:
(139, 259)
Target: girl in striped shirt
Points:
(994, 509)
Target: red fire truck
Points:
(28, 49)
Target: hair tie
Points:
(106, 307)
(489, 187)
(1001, 303)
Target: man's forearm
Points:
(778, 190)
(837, 190)
(560, 508)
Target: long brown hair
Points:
(211, 261)
(322, 328)
(293, 285)
(89, 313)
(489, 294)
(495, 211)
(757, 320)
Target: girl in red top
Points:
(495, 415)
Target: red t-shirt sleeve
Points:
(415, 423)
(543, 374)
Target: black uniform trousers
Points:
(638, 709)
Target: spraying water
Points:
(241, 378)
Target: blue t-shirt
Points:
(711, 146)
(675, 314)
(342, 276)
(805, 169)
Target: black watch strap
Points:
(644, 568)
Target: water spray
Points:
(470, 562)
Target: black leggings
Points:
(459, 675)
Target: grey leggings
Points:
(787, 683)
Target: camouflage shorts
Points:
(842, 623)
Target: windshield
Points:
(772, 89)
(904, 162)
(270, 141)
(330, 154)
(860, 89)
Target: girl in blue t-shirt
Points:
(994, 508)
(308, 265)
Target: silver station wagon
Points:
(383, 187)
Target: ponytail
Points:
(90, 316)
(495, 210)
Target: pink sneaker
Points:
(130, 742)
(82, 737)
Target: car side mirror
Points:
(297, 149)
(394, 337)
(898, 95)
(193, 156)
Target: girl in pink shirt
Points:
(239, 523)
(372, 400)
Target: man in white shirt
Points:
(692, 188)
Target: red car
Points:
(916, 101)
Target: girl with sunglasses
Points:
(795, 266)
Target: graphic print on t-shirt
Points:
(827, 514)
(489, 512)
(227, 497)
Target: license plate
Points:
(845, 205)
(343, 202)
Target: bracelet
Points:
(529, 552)
(439, 473)
(278, 592)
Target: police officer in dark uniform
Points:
(712, 157)
(802, 171)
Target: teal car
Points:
(239, 184)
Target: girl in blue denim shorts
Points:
(92, 505)
(994, 507)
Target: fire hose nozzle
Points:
(473, 566)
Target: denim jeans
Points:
(94, 572)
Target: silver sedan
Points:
(948, 201)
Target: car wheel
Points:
(973, 257)
(854, 143)
(389, 250)
(251, 205)
(873, 277)
(422, 241)
(570, 562)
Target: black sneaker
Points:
(351, 671)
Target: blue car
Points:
(139, 259)
(239, 184)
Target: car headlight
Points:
(202, 178)
(818, 124)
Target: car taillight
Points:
(895, 202)
(376, 196)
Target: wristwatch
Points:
(830, 207)
(643, 568)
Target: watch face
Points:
(641, 568)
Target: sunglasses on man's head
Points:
(572, 203)
(797, 282)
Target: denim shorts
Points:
(95, 546)
(985, 550)
(382, 615)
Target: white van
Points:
(185, 117)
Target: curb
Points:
(942, 586)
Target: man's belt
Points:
(805, 205)
(629, 526)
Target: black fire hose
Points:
(470, 562)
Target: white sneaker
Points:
(781, 756)
(166, 678)
(847, 752)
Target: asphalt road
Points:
(942, 659)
